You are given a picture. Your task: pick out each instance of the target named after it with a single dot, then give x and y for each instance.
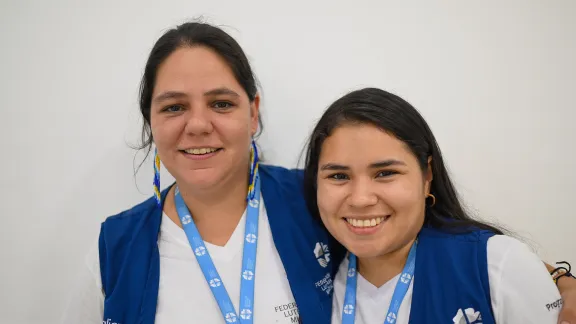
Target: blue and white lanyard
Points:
(248, 259)
(349, 308)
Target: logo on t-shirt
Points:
(554, 305)
(468, 316)
(289, 312)
(322, 253)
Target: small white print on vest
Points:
(289, 310)
(554, 305)
(322, 254)
(109, 321)
(469, 315)
(325, 284)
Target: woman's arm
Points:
(567, 287)
(521, 288)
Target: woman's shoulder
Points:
(505, 243)
(519, 281)
(504, 250)
(288, 182)
(144, 217)
(450, 234)
(137, 211)
(281, 173)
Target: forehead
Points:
(362, 143)
(194, 69)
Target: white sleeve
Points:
(86, 301)
(521, 289)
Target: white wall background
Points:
(495, 80)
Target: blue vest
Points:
(451, 274)
(451, 269)
(130, 261)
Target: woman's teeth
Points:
(365, 222)
(200, 151)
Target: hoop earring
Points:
(156, 183)
(433, 200)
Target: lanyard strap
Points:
(349, 309)
(248, 274)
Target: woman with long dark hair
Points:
(376, 178)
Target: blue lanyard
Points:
(349, 309)
(248, 259)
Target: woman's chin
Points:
(203, 179)
(366, 249)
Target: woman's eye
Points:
(338, 176)
(222, 105)
(386, 173)
(173, 108)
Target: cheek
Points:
(329, 199)
(164, 131)
(236, 129)
(166, 134)
(406, 198)
(327, 207)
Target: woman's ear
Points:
(254, 116)
(428, 177)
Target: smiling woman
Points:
(225, 241)
(376, 178)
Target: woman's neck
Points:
(380, 269)
(216, 213)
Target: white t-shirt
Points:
(184, 296)
(521, 290)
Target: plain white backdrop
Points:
(495, 80)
